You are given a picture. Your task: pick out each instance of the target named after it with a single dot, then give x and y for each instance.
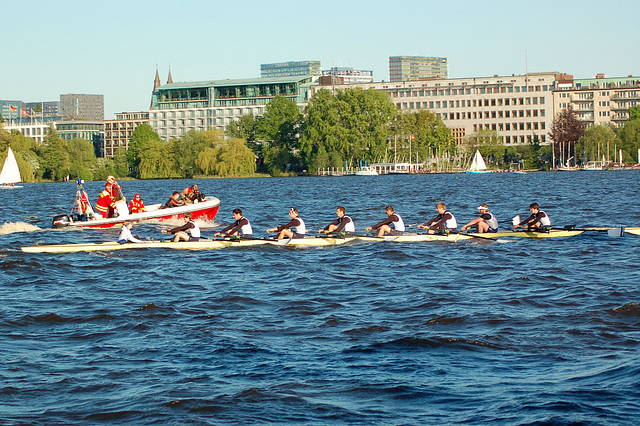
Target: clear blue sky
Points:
(112, 47)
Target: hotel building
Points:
(177, 108)
(118, 132)
(598, 100)
(517, 107)
(404, 68)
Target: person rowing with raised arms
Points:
(392, 225)
(241, 227)
(343, 224)
(296, 223)
(445, 221)
(180, 233)
(487, 222)
(538, 219)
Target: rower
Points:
(343, 224)
(296, 223)
(445, 221)
(487, 222)
(538, 219)
(125, 234)
(241, 227)
(180, 233)
(385, 227)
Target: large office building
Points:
(93, 131)
(118, 132)
(82, 107)
(406, 68)
(517, 107)
(44, 109)
(290, 69)
(598, 100)
(177, 108)
(348, 75)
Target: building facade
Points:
(177, 108)
(290, 69)
(347, 75)
(406, 68)
(82, 107)
(118, 132)
(44, 109)
(93, 131)
(598, 100)
(518, 107)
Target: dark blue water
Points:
(520, 332)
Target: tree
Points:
(634, 113)
(489, 143)
(595, 142)
(234, 158)
(278, 128)
(84, 157)
(54, 155)
(629, 139)
(141, 134)
(422, 133)
(566, 130)
(155, 159)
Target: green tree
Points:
(420, 133)
(141, 134)
(593, 144)
(278, 128)
(629, 139)
(155, 159)
(84, 157)
(120, 162)
(489, 143)
(54, 156)
(187, 148)
(634, 113)
(234, 158)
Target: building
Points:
(177, 108)
(517, 107)
(93, 131)
(406, 68)
(82, 107)
(118, 132)
(290, 69)
(11, 110)
(36, 129)
(44, 109)
(347, 75)
(598, 100)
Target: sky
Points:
(112, 47)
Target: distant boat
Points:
(10, 172)
(366, 171)
(477, 165)
(594, 165)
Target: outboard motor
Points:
(61, 221)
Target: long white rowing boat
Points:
(309, 241)
(633, 230)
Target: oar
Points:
(612, 232)
(472, 235)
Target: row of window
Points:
(508, 127)
(467, 91)
(477, 114)
(228, 112)
(475, 103)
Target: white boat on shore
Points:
(593, 166)
(366, 171)
(10, 174)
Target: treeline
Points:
(349, 126)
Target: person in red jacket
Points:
(106, 205)
(136, 205)
(112, 188)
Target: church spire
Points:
(156, 83)
(169, 79)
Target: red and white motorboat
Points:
(204, 210)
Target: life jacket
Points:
(136, 206)
(104, 203)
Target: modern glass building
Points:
(93, 131)
(177, 108)
(407, 68)
(289, 69)
(118, 132)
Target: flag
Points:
(12, 108)
(24, 112)
(413, 137)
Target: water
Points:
(517, 332)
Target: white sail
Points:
(477, 165)
(10, 172)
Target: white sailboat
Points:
(477, 164)
(10, 172)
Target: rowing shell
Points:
(634, 231)
(203, 244)
(553, 233)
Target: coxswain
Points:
(241, 227)
(538, 219)
(445, 221)
(296, 222)
(343, 224)
(106, 205)
(487, 222)
(385, 227)
(190, 195)
(136, 205)
(125, 234)
(181, 233)
(174, 201)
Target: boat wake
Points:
(15, 227)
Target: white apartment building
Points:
(517, 107)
